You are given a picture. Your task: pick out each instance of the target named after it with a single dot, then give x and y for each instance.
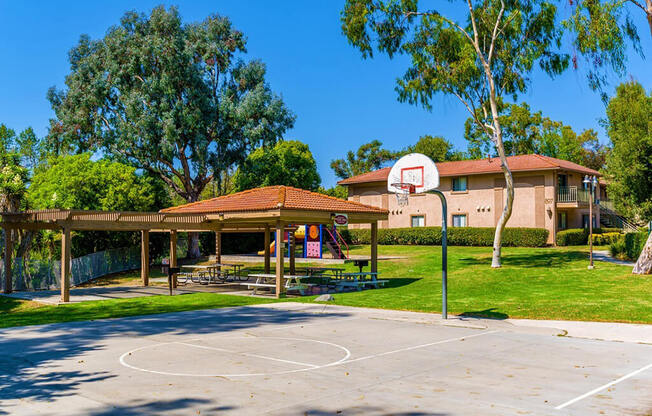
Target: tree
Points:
(527, 132)
(173, 99)
(478, 62)
(77, 182)
(629, 165)
(337, 191)
(602, 29)
(13, 182)
(287, 163)
(370, 156)
(31, 149)
(436, 148)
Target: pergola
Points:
(256, 210)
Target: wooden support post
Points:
(9, 248)
(267, 244)
(291, 247)
(173, 255)
(279, 260)
(218, 246)
(144, 257)
(374, 247)
(65, 264)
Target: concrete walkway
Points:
(604, 255)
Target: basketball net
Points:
(403, 191)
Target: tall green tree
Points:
(171, 98)
(77, 182)
(601, 32)
(629, 165)
(370, 156)
(286, 163)
(436, 148)
(487, 55)
(527, 132)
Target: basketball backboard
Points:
(413, 169)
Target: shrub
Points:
(629, 246)
(605, 238)
(580, 236)
(573, 237)
(457, 236)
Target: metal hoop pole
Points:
(444, 257)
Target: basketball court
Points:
(295, 358)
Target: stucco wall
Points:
(534, 202)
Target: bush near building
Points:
(457, 236)
(629, 246)
(580, 236)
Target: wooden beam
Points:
(291, 248)
(144, 257)
(9, 248)
(65, 265)
(173, 255)
(267, 244)
(279, 260)
(218, 246)
(374, 247)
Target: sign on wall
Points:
(341, 220)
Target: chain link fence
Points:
(45, 274)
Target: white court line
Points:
(246, 354)
(367, 357)
(606, 386)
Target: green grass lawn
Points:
(536, 283)
(15, 312)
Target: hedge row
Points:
(629, 246)
(457, 236)
(580, 236)
(606, 239)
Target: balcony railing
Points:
(572, 194)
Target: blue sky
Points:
(340, 100)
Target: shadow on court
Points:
(491, 313)
(27, 368)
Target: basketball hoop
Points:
(402, 190)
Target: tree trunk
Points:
(644, 263)
(507, 209)
(648, 12)
(193, 246)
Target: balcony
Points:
(572, 197)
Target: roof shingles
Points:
(274, 197)
(522, 163)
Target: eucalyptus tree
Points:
(368, 157)
(487, 55)
(173, 98)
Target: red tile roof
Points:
(274, 197)
(522, 163)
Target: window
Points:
(459, 220)
(561, 221)
(418, 221)
(459, 184)
(585, 221)
(562, 181)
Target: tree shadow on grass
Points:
(491, 313)
(398, 282)
(533, 260)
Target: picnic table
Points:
(336, 271)
(292, 282)
(237, 269)
(359, 280)
(202, 273)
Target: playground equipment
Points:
(417, 173)
(313, 237)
